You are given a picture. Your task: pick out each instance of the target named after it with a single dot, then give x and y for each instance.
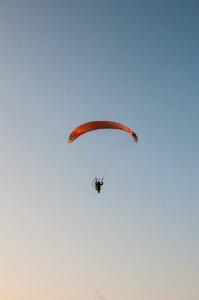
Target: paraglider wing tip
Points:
(135, 137)
(71, 138)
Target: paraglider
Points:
(98, 184)
(96, 125)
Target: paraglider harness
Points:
(97, 184)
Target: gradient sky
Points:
(67, 62)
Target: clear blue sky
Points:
(67, 62)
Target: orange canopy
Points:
(94, 125)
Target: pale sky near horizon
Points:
(63, 63)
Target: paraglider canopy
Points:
(95, 125)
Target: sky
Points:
(68, 62)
